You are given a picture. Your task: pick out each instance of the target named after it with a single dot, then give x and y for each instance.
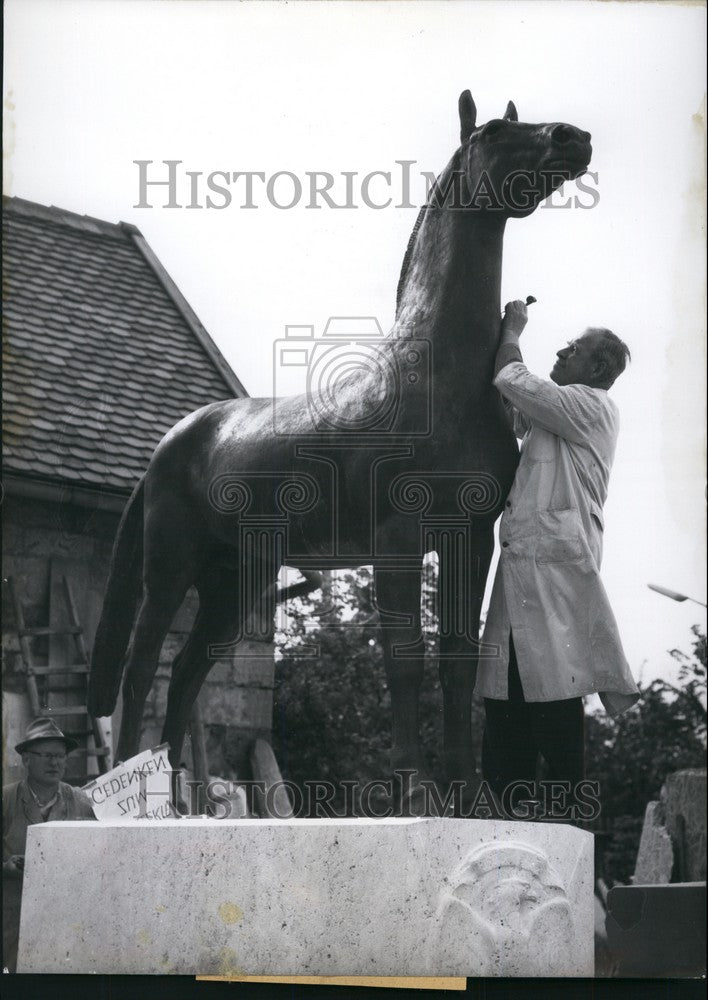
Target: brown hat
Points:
(45, 729)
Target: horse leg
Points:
(403, 649)
(219, 620)
(185, 672)
(169, 571)
(463, 575)
(153, 621)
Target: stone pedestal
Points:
(420, 897)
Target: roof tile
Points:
(99, 360)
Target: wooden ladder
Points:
(40, 688)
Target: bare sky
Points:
(90, 88)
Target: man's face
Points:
(576, 364)
(45, 761)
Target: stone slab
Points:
(673, 842)
(655, 857)
(684, 797)
(418, 897)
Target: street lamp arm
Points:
(673, 594)
(702, 603)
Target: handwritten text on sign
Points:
(139, 787)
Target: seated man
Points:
(42, 796)
(549, 615)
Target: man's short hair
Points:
(610, 350)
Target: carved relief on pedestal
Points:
(507, 901)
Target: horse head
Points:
(502, 169)
(509, 166)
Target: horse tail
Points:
(119, 607)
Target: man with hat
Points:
(39, 798)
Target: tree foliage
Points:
(332, 713)
(332, 709)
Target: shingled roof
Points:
(101, 353)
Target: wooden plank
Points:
(90, 613)
(74, 619)
(65, 643)
(67, 577)
(100, 749)
(265, 768)
(65, 710)
(47, 630)
(199, 755)
(70, 668)
(33, 693)
(25, 647)
(61, 689)
(390, 982)
(62, 644)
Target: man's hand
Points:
(515, 317)
(513, 322)
(14, 867)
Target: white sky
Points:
(91, 87)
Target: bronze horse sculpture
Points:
(409, 453)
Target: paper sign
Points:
(137, 788)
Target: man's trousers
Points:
(517, 732)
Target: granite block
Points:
(421, 897)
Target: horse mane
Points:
(405, 266)
(433, 201)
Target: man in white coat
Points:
(549, 615)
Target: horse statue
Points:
(401, 448)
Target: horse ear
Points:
(511, 114)
(468, 115)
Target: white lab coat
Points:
(547, 589)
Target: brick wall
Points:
(41, 541)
